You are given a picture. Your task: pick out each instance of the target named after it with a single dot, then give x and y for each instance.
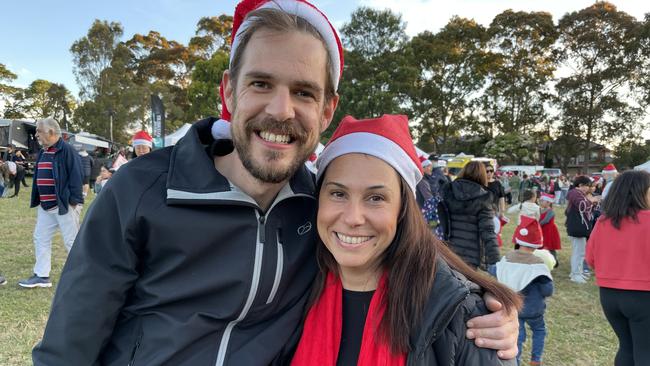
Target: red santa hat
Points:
(387, 138)
(299, 8)
(548, 197)
(529, 233)
(142, 138)
(609, 169)
(424, 162)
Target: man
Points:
(515, 183)
(87, 164)
(609, 174)
(56, 192)
(197, 255)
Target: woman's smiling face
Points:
(359, 204)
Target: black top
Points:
(496, 188)
(355, 310)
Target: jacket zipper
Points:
(278, 267)
(257, 269)
(135, 351)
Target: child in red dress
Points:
(552, 241)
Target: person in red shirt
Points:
(619, 252)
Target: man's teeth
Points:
(352, 239)
(271, 137)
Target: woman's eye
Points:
(337, 194)
(376, 198)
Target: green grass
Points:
(578, 333)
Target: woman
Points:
(619, 252)
(579, 215)
(388, 291)
(105, 173)
(471, 217)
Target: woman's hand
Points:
(497, 330)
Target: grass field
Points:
(578, 333)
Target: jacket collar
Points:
(193, 179)
(450, 289)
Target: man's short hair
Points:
(280, 21)
(50, 124)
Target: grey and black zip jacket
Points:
(173, 266)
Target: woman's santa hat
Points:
(547, 197)
(142, 138)
(609, 169)
(299, 8)
(529, 233)
(387, 138)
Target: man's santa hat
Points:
(387, 138)
(299, 8)
(142, 138)
(547, 197)
(424, 161)
(529, 233)
(609, 169)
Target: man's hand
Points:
(497, 330)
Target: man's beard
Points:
(265, 171)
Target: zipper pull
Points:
(262, 229)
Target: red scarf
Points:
(321, 337)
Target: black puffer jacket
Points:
(471, 225)
(441, 340)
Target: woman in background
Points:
(471, 217)
(619, 252)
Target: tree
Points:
(594, 100)
(92, 54)
(212, 35)
(512, 148)
(204, 89)
(61, 104)
(451, 68)
(631, 153)
(6, 76)
(522, 44)
(377, 75)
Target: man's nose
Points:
(281, 105)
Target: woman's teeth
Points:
(352, 239)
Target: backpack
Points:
(436, 214)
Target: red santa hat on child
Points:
(299, 8)
(142, 138)
(529, 233)
(609, 169)
(387, 138)
(548, 197)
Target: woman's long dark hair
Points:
(410, 263)
(626, 197)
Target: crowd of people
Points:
(226, 250)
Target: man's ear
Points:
(328, 112)
(228, 90)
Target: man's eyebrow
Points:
(301, 84)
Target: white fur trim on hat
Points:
(311, 15)
(527, 244)
(221, 130)
(142, 142)
(375, 145)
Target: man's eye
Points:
(260, 84)
(305, 94)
